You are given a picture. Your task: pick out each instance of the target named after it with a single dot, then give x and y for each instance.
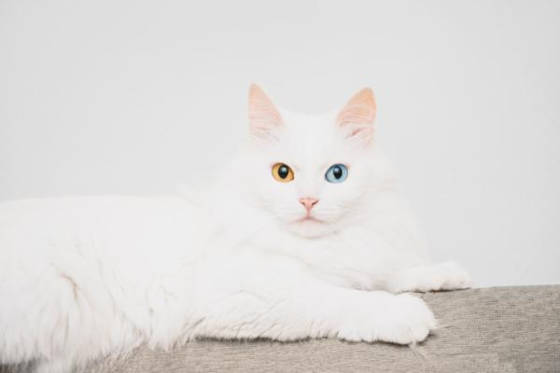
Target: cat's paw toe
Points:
(454, 277)
(408, 321)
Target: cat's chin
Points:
(310, 227)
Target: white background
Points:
(136, 97)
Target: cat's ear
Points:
(357, 117)
(263, 115)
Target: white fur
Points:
(83, 278)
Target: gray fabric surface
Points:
(514, 329)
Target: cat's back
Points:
(84, 206)
(112, 228)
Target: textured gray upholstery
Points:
(514, 329)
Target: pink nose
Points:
(308, 202)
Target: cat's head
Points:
(311, 173)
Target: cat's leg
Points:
(60, 323)
(53, 366)
(284, 302)
(442, 276)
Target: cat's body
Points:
(249, 257)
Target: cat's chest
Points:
(330, 250)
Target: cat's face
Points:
(310, 172)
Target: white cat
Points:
(304, 235)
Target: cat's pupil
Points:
(337, 172)
(283, 172)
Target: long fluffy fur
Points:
(83, 278)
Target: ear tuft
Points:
(263, 115)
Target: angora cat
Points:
(304, 235)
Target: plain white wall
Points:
(135, 97)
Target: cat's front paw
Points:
(404, 319)
(452, 277)
(409, 320)
(443, 276)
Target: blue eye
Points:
(336, 173)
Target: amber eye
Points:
(282, 173)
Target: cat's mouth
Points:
(309, 218)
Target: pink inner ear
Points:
(360, 109)
(362, 132)
(263, 115)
